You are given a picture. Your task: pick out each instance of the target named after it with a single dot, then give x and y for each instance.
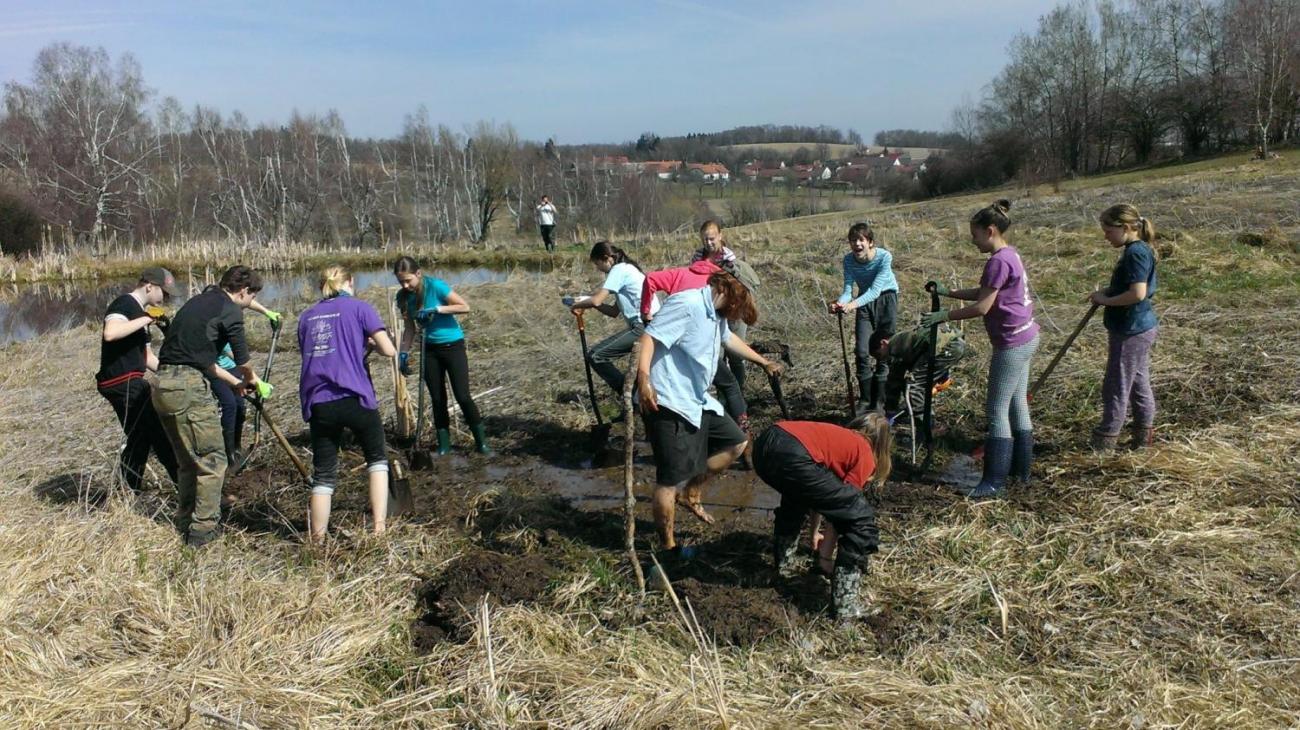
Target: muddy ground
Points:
(543, 510)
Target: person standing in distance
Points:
(546, 222)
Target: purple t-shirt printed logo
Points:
(332, 338)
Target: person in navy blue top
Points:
(1131, 327)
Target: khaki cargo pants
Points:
(189, 414)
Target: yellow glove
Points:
(264, 389)
(155, 311)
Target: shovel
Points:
(848, 375)
(927, 418)
(400, 499)
(1061, 353)
(279, 437)
(599, 435)
(783, 351)
(421, 459)
(266, 375)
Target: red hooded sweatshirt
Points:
(671, 281)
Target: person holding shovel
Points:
(335, 335)
(623, 281)
(125, 355)
(691, 437)
(233, 408)
(431, 303)
(184, 400)
(871, 268)
(1131, 329)
(907, 354)
(1004, 301)
(823, 468)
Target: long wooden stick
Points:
(629, 449)
(1061, 353)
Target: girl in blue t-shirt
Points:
(1130, 326)
(429, 304)
(619, 295)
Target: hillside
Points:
(1149, 589)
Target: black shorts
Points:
(682, 450)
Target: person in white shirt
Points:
(619, 295)
(546, 221)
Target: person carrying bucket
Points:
(691, 438)
(184, 400)
(430, 304)
(871, 269)
(1004, 301)
(1130, 327)
(125, 354)
(823, 468)
(334, 336)
(623, 281)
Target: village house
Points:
(710, 171)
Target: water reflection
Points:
(30, 310)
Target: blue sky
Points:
(576, 71)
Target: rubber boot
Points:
(1103, 442)
(997, 465)
(785, 555)
(444, 442)
(1143, 436)
(846, 598)
(1022, 455)
(234, 455)
(480, 439)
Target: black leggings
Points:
(449, 360)
(880, 314)
(327, 423)
(144, 432)
(784, 464)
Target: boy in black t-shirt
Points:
(124, 357)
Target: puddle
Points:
(962, 471)
(32, 310)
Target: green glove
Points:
(264, 389)
(932, 319)
(940, 288)
(274, 316)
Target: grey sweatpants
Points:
(1007, 407)
(1128, 381)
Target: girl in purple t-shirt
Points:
(334, 336)
(1004, 301)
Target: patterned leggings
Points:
(1007, 407)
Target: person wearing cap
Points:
(184, 399)
(124, 357)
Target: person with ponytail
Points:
(823, 468)
(623, 281)
(1131, 328)
(335, 335)
(429, 305)
(1004, 301)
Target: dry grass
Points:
(1159, 589)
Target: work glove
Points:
(274, 316)
(159, 316)
(939, 288)
(425, 316)
(933, 319)
(263, 389)
(404, 363)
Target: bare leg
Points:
(379, 500)
(664, 506)
(695, 487)
(318, 516)
(826, 550)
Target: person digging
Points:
(907, 357)
(692, 439)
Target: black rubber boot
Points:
(1022, 455)
(997, 465)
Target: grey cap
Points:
(161, 278)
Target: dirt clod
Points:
(737, 616)
(504, 579)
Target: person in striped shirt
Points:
(870, 268)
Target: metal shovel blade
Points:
(400, 499)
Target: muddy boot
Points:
(846, 596)
(997, 465)
(444, 441)
(785, 555)
(1103, 442)
(234, 455)
(1022, 455)
(198, 538)
(1143, 436)
(480, 439)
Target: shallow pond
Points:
(31, 310)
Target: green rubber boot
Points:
(480, 439)
(444, 442)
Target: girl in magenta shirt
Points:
(1004, 301)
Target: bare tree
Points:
(1265, 38)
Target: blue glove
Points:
(425, 316)
(404, 363)
(932, 319)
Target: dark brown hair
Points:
(993, 215)
(405, 265)
(604, 249)
(239, 276)
(861, 232)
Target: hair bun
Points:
(1002, 204)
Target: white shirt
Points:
(546, 214)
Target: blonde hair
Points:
(875, 427)
(333, 279)
(1123, 214)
